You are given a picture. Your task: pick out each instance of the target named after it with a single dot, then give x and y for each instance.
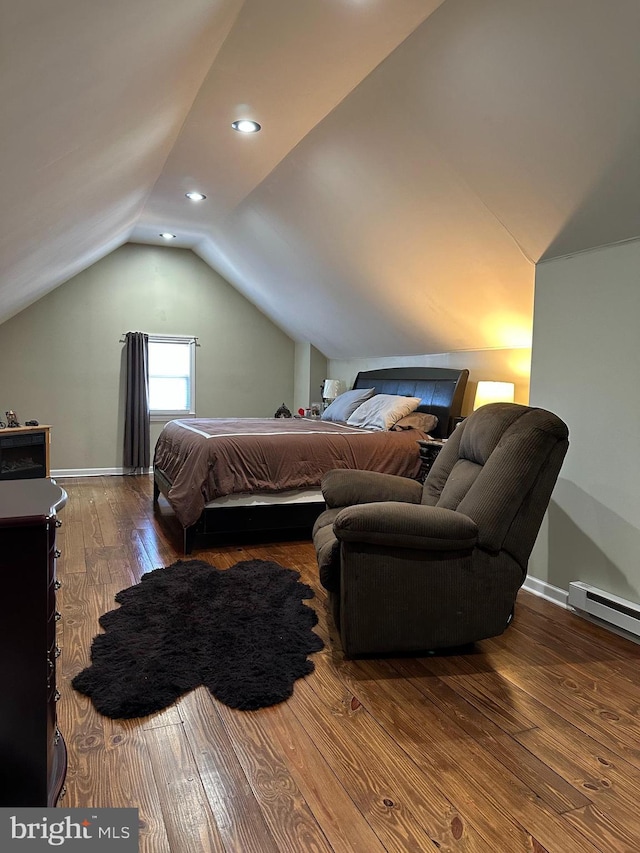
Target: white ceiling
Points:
(417, 157)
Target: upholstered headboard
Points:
(440, 389)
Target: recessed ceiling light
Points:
(195, 196)
(167, 236)
(243, 125)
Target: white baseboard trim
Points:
(546, 590)
(94, 472)
(558, 596)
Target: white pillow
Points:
(383, 411)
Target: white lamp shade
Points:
(332, 389)
(493, 392)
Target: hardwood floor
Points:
(529, 743)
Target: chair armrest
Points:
(401, 525)
(346, 486)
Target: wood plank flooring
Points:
(531, 742)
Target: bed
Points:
(224, 477)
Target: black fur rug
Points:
(243, 632)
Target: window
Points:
(171, 376)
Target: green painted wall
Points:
(62, 360)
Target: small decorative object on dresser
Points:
(33, 755)
(282, 412)
(12, 419)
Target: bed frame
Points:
(441, 391)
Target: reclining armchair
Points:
(415, 567)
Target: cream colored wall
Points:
(318, 373)
(503, 365)
(62, 359)
(310, 371)
(584, 367)
(301, 381)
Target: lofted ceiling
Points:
(416, 157)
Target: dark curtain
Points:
(137, 433)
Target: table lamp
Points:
(493, 392)
(331, 389)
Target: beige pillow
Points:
(383, 411)
(417, 420)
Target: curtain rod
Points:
(123, 339)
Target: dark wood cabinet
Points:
(32, 750)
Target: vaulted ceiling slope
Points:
(416, 158)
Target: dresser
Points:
(32, 751)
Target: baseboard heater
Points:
(605, 606)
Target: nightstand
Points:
(428, 449)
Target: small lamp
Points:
(331, 389)
(493, 392)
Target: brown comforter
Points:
(207, 458)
